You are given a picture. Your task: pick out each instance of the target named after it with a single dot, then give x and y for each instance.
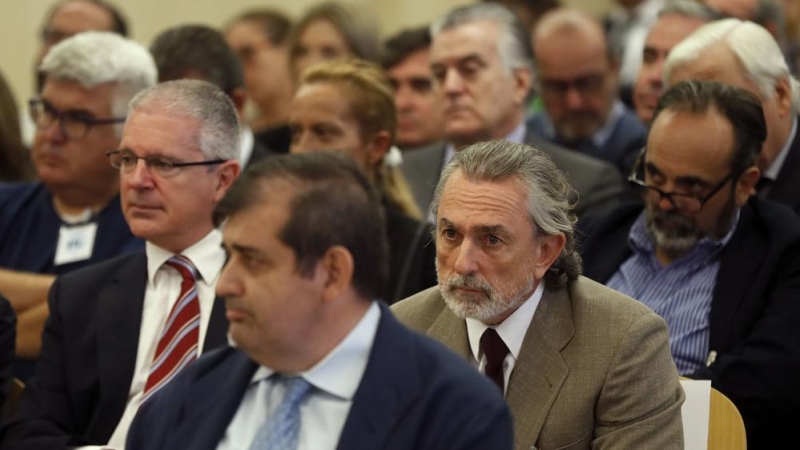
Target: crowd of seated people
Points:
(222, 238)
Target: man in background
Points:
(417, 98)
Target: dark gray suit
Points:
(598, 185)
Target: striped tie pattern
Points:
(282, 429)
(177, 346)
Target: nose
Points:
(466, 258)
(453, 83)
(403, 100)
(139, 177)
(54, 132)
(655, 74)
(302, 143)
(228, 285)
(574, 98)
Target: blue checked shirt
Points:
(680, 292)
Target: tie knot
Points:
(296, 390)
(493, 347)
(184, 267)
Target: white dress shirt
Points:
(161, 293)
(512, 331)
(334, 382)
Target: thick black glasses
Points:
(684, 201)
(73, 124)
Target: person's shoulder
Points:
(772, 218)
(599, 306)
(420, 310)
(105, 269)
(21, 192)
(424, 153)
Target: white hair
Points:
(93, 58)
(513, 43)
(219, 123)
(756, 49)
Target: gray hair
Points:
(513, 43)
(688, 8)
(756, 49)
(93, 58)
(219, 135)
(549, 208)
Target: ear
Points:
(227, 174)
(746, 186)
(783, 97)
(376, 147)
(239, 98)
(337, 267)
(547, 252)
(523, 81)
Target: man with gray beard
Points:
(581, 365)
(720, 266)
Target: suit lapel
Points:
(211, 402)
(217, 331)
(739, 260)
(119, 314)
(540, 370)
(451, 331)
(786, 188)
(390, 385)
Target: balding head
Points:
(577, 74)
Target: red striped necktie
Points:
(177, 346)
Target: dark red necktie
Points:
(177, 346)
(495, 351)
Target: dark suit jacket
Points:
(786, 187)
(414, 394)
(598, 184)
(621, 148)
(755, 314)
(594, 370)
(88, 357)
(8, 333)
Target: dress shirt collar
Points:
(340, 371)
(206, 255)
(600, 137)
(775, 168)
(704, 251)
(517, 135)
(512, 330)
(246, 139)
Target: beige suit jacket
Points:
(594, 371)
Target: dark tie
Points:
(177, 346)
(495, 351)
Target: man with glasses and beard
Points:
(720, 266)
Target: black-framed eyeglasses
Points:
(585, 85)
(684, 201)
(126, 161)
(73, 124)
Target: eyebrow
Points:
(481, 229)
(683, 179)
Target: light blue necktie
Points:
(282, 428)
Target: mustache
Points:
(468, 282)
(679, 225)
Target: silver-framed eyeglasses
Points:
(126, 161)
(689, 202)
(74, 124)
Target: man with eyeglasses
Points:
(578, 81)
(721, 266)
(71, 217)
(120, 330)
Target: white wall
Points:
(20, 22)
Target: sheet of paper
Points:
(695, 412)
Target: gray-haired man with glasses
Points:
(120, 330)
(720, 266)
(71, 217)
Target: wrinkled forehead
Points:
(479, 38)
